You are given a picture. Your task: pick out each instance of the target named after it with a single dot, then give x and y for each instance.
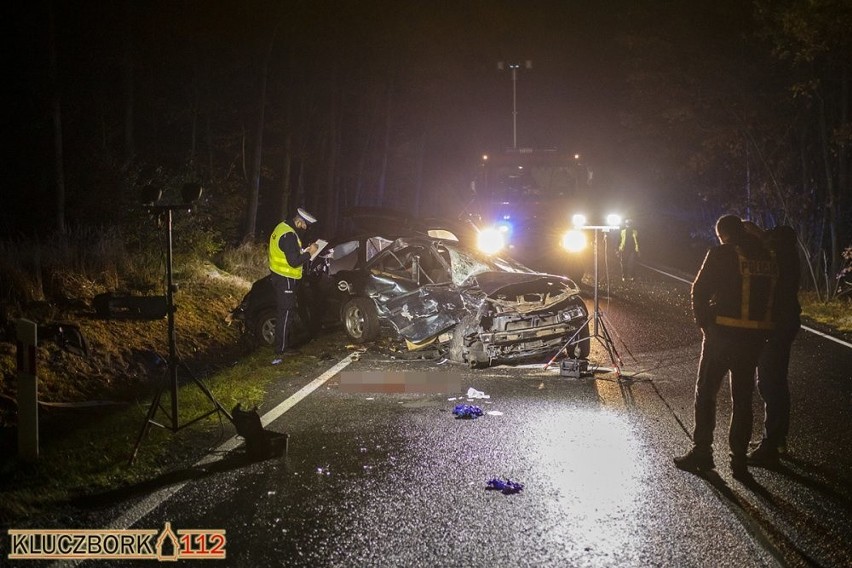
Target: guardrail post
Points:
(27, 340)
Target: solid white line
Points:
(825, 335)
(806, 328)
(146, 505)
(667, 274)
(306, 390)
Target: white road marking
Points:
(149, 503)
(806, 328)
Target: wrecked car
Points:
(430, 291)
(435, 292)
(317, 307)
(257, 314)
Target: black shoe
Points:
(695, 461)
(763, 455)
(739, 468)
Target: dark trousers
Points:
(772, 372)
(723, 350)
(285, 307)
(628, 263)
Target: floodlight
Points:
(574, 240)
(613, 219)
(578, 220)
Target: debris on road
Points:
(473, 393)
(505, 486)
(467, 411)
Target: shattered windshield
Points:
(466, 263)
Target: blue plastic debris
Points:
(505, 486)
(467, 411)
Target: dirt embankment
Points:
(125, 355)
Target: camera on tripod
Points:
(190, 192)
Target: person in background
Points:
(773, 365)
(732, 299)
(286, 259)
(628, 249)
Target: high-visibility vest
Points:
(629, 234)
(277, 259)
(757, 292)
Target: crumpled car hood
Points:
(433, 309)
(525, 292)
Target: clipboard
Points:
(321, 244)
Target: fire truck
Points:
(523, 202)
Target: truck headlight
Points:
(490, 240)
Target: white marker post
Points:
(27, 390)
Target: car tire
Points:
(582, 349)
(264, 327)
(361, 320)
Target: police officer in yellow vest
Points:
(732, 298)
(286, 259)
(628, 249)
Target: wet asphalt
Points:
(395, 479)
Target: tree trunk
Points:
(360, 181)
(57, 126)
(330, 209)
(380, 196)
(843, 147)
(286, 185)
(418, 185)
(129, 85)
(209, 135)
(254, 190)
(833, 265)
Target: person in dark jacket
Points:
(286, 259)
(773, 365)
(732, 299)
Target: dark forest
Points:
(685, 110)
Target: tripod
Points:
(598, 321)
(173, 423)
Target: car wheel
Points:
(583, 347)
(264, 327)
(361, 320)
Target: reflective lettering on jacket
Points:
(759, 278)
(277, 259)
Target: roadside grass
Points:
(835, 313)
(85, 450)
(92, 456)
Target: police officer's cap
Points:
(306, 217)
